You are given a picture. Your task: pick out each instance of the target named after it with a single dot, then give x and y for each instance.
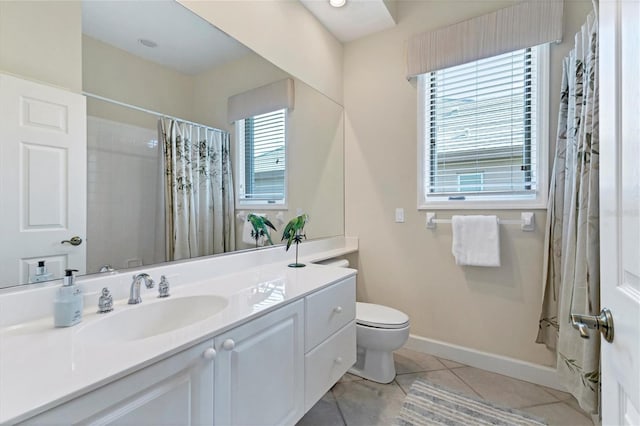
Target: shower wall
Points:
(123, 194)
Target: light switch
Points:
(399, 215)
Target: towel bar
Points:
(527, 221)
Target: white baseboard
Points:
(523, 370)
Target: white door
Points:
(620, 207)
(259, 370)
(42, 179)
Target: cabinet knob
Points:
(228, 344)
(209, 353)
(338, 360)
(337, 309)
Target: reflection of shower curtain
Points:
(572, 259)
(198, 190)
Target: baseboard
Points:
(523, 370)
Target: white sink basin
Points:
(143, 321)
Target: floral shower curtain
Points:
(572, 274)
(198, 190)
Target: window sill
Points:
(483, 205)
(242, 205)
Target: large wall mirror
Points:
(145, 59)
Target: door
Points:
(42, 179)
(620, 208)
(259, 377)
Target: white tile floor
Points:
(354, 401)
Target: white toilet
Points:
(380, 330)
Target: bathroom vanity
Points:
(280, 338)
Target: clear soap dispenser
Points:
(67, 307)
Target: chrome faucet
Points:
(134, 294)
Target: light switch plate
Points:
(399, 215)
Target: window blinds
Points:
(480, 130)
(264, 138)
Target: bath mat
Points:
(429, 404)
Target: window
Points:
(470, 182)
(262, 159)
(481, 127)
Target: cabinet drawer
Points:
(328, 310)
(324, 365)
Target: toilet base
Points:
(377, 366)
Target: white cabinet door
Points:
(43, 163)
(620, 208)
(260, 370)
(175, 391)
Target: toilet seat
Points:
(378, 316)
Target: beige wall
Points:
(116, 74)
(405, 265)
(40, 40)
(285, 33)
(315, 141)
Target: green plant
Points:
(293, 233)
(260, 225)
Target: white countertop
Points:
(42, 366)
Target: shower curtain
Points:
(572, 259)
(198, 190)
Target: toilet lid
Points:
(380, 316)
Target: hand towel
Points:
(246, 233)
(476, 240)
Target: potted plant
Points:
(293, 233)
(260, 225)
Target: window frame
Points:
(493, 201)
(260, 204)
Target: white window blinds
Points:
(264, 159)
(480, 127)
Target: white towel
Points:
(246, 233)
(476, 240)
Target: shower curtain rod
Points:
(148, 111)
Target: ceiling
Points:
(189, 44)
(357, 18)
(185, 42)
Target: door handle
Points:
(602, 322)
(74, 241)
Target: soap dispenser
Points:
(67, 307)
(41, 273)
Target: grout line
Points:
(552, 395)
(470, 387)
(335, 398)
(398, 385)
(584, 413)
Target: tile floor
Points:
(357, 402)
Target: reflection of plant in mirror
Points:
(293, 234)
(259, 225)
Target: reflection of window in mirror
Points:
(262, 168)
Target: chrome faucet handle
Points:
(163, 287)
(134, 294)
(105, 302)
